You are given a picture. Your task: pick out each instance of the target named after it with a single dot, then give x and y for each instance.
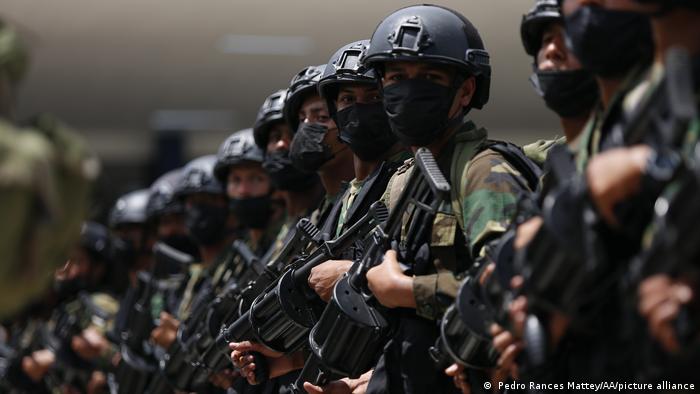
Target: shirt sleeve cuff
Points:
(424, 290)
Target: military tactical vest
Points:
(447, 245)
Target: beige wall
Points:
(107, 66)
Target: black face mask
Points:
(206, 223)
(125, 251)
(568, 93)
(609, 43)
(365, 127)
(69, 288)
(308, 152)
(182, 242)
(283, 174)
(252, 212)
(418, 110)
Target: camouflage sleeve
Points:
(108, 307)
(489, 192)
(434, 293)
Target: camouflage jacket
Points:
(46, 172)
(487, 191)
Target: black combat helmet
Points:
(130, 209)
(667, 5)
(269, 113)
(534, 22)
(239, 147)
(345, 66)
(105, 250)
(430, 33)
(162, 200)
(302, 85)
(97, 241)
(198, 177)
(369, 135)
(569, 93)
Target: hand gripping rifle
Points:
(71, 319)
(182, 363)
(350, 336)
(281, 317)
(138, 364)
(464, 335)
(227, 307)
(215, 358)
(675, 246)
(303, 236)
(481, 300)
(223, 311)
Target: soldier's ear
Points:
(466, 91)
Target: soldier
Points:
(206, 220)
(354, 102)
(300, 191)
(128, 222)
(47, 173)
(433, 70)
(213, 228)
(662, 296)
(617, 66)
(92, 269)
(567, 89)
(239, 168)
(166, 214)
(315, 146)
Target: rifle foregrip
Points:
(311, 373)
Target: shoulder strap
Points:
(515, 156)
(466, 147)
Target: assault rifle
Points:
(138, 363)
(354, 328)
(70, 320)
(181, 364)
(572, 260)
(281, 317)
(674, 248)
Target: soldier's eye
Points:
(346, 99)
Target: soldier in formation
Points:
(366, 236)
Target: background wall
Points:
(152, 83)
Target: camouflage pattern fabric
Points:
(46, 174)
(14, 58)
(486, 195)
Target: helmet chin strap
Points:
(458, 118)
(334, 154)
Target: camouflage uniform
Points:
(355, 189)
(660, 365)
(484, 202)
(46, 172)
(485, 190)
(46, 178)
(97, 311)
